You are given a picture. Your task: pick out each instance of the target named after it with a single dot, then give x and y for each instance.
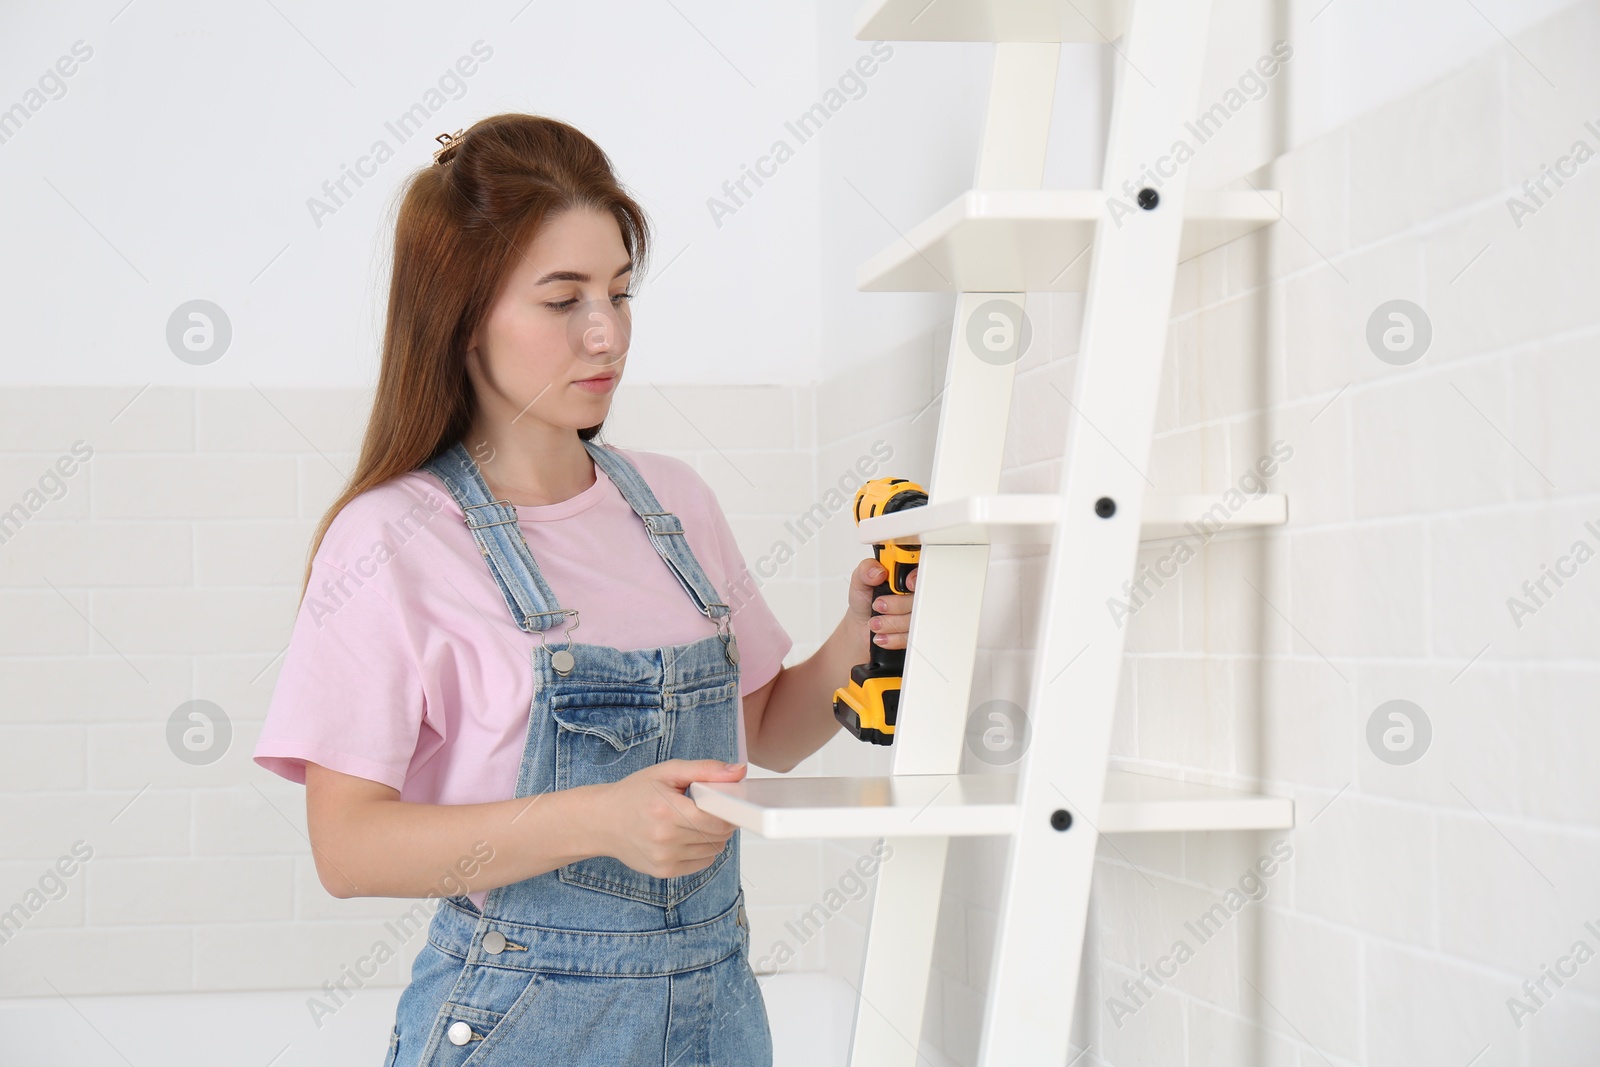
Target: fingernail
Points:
(733, 766)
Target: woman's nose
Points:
(599, 332)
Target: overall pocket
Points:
(603, 734)
(469, 1035)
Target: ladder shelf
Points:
(1004, 239)
(1030, 518)
(1036, 240)
(969, 805)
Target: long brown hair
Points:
(462, 225)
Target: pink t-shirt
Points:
(405, 666)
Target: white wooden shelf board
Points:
(958, 805)
(900, 805)
(1039, 21)
(1179, 516)
(1145, 803)
(1037, 240)
(1030, 518)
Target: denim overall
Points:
(595, 963)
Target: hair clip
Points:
(447, 141)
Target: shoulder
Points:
(681, 489)
(669, 477)
(378, 521)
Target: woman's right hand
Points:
(650, 824)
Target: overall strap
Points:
(665, 530)
(494, 525)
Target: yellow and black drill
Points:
(868, 705)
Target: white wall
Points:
(1360, 54)
(179, 162)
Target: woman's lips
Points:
(597, 385)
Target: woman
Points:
(464, 733)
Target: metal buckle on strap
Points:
(467, 511)
(730, 643)
(648, 515)
(562, 659)
(559, 611)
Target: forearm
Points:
(390, 848)
(798, 718)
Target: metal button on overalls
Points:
(595, 962)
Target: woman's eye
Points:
(565, 304)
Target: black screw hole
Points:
(1149, 198)
(1061, 818)
(1105, 507)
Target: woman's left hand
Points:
(894, 609)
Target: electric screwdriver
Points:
(868, 705)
